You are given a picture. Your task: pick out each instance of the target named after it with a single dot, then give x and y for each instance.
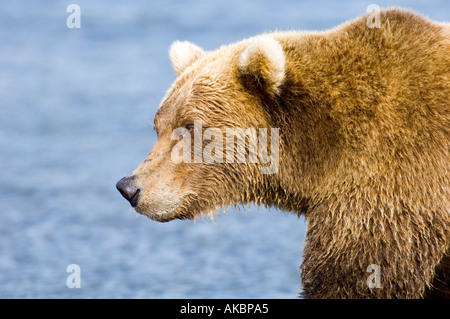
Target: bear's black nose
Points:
(129, 190)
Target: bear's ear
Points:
(263, 63)
(182, 54)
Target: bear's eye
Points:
(190, 128)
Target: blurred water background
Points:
(75, 108)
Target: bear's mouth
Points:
(159, 216)
(163, 211)
(187, 207)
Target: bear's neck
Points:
(322, 130)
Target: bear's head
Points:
(218, 142)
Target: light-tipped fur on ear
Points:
(264, 61)
(182, 54)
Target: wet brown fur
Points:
(364, 118)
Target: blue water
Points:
(75, 107)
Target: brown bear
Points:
(362, 116)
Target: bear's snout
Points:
(129, 190)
